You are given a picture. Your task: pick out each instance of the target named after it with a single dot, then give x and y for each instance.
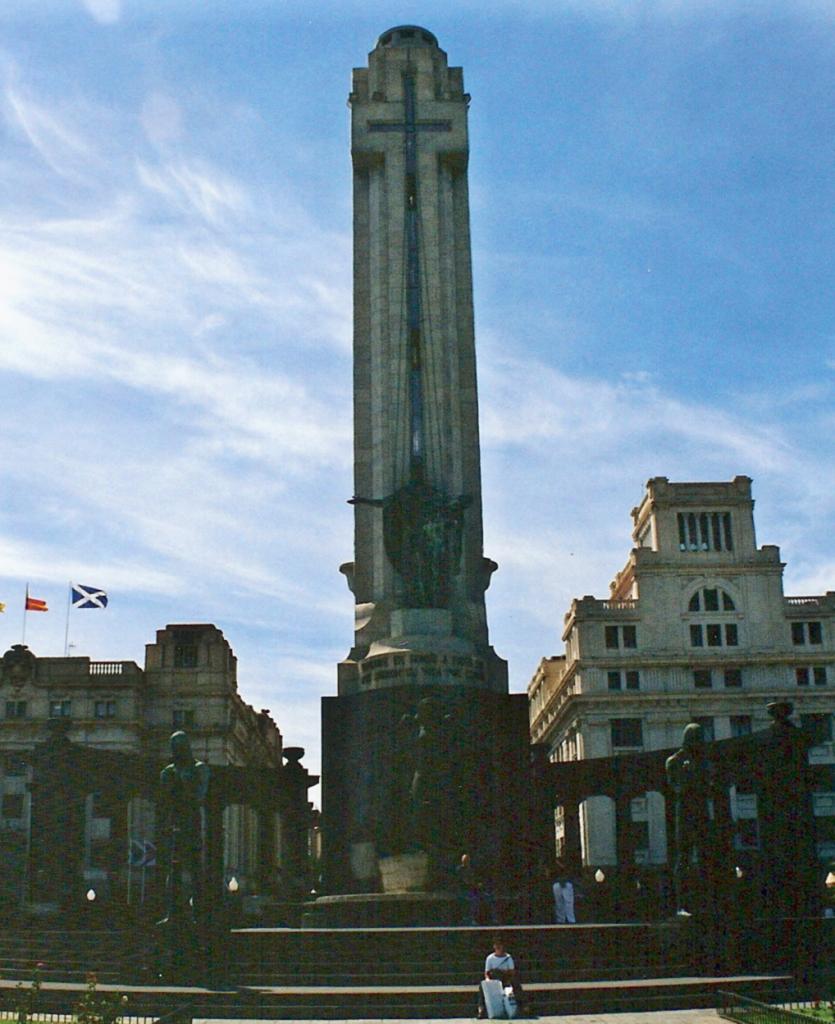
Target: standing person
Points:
(500, 966)
(473, 891)
(564, 901)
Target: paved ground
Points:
(657, 1017)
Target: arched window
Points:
(710, 621)
(711, 599)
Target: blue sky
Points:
(652, 213)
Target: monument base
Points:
(384, 910)
(414, 777)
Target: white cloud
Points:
(106, 12)
(161, 119)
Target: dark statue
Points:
(184, 786)
(787, 824)
(690, 778)
(422, 535)
(426, 769)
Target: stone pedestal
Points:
(404, 872)
(473, 793)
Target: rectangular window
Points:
(747, 834)
(627, 732)
(693, 537)
(614, 680)
(15, 709)
(731, 634)
(717, 533)
(726, 529)
(185, 656)
(630, 636)
(15, 766)
(798, 633)
(633, 680)
(13, 805)
(60, 708)
(818, 725)
(819, 675)
(703, 531)
(708, 732)
(714, 635)
(801, 676)
(612, 636)
(740, 725)
(815, 633)
(711, 599)
(105, 709)
(182, 718)
(733, 677)
(696, 636)
(703, 678)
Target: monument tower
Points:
(419, 573)
(423, 720)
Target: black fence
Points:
(750, 1011)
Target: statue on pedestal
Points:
(184, 786)
(690, 779)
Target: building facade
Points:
(83, 708)
(696, 628)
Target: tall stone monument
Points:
(425, 755)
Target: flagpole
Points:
(67, 627)
(25, 609)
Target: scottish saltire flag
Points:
(88, 597)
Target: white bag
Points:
(493, 997)
(511, 1007)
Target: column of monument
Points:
(425, 754)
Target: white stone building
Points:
(696, 628)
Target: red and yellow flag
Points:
(34, 604)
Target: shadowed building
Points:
(81, 746)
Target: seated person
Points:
(500, 966)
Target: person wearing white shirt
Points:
(564, 901)
(500, 966)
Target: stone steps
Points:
(401, 1002)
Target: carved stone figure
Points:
(17, 666)
(690, 778)
(426, 774)
(784, 808)
(184, 786)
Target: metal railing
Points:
(179, 1015)
(750, 1011)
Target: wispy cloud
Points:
(106, 12)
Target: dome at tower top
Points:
(407, 35)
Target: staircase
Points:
(384, 972)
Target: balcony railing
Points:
(106, 668)
(812, 602)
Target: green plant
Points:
(27, 997)
(98, 1008)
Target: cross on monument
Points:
(410, 126)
